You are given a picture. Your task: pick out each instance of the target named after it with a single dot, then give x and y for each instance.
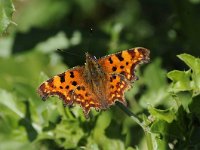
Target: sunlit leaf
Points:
(167, 115)
(155, 80)
(187, 80)
(181, 80)
(48, 13)
(59, 41)
(6, 11)
(194, 64)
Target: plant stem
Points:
(132, 115)
(149, 141)
(139, 122)
(67, 113)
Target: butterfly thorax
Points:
(95, 77)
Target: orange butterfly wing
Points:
(71, 88)
(121, 67)
(117, 85)
(124, 62)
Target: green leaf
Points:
(154, 80)
(194, 64)
(186, 80)
(6, 11)
(6, 46)
(178, 130)
(12, 136)
(191, 61)
(181, 80)
(158, 75)
(58, 41)
(9, 101)
(168, 115)
(183, 99)
(48, 12)
(160, 127)
(68, 133)
(100, 137)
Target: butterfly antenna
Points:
(90, 37)
(67, 52)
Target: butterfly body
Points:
(99, 83)
(96, 78)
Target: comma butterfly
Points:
(99, 83)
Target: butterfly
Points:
(99, 83)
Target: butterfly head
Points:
(93, 68)
(90, 57)
(90, 60)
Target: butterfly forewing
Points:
(124, 62)
(62, 85)
(71, 87)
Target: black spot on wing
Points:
(114, 68)
(71, 74)
(81, 88)
(132, 53)
(74, 83)
(121, 67)
(62, 77)
(119, 56)
(111, 86)
(110, 60)
(78, 88)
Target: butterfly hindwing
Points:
(82, 95)
(117, 85)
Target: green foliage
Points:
(169, 113)
(28, 17)
(6, 11)
(187, 80)
(178, 126)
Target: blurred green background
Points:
(44, 38)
